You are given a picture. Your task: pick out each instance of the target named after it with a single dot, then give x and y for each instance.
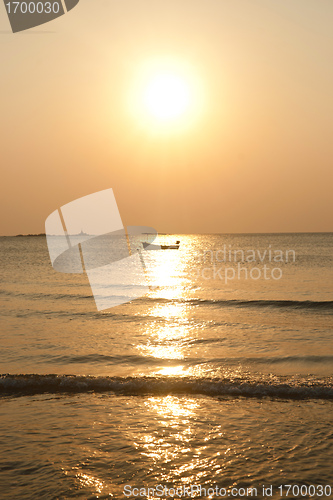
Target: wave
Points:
(45, 296)
(137, 359)
(214, 387)
(293, 304)
(256, 303)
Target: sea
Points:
(216, 383)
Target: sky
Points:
(254, 153)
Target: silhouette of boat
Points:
(163, 247)
(171, 247)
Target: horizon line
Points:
(185, 234)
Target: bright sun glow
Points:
(167, 96)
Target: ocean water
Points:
(220, 377)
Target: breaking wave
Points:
(290, 304)
(214, 387)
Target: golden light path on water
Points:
(175, 415)
(172, 336)
(169, 442)
(165, 342)
(178, 455)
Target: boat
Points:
(162, 247)
(171, 247)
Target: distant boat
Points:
(82, 233)
(162, 247)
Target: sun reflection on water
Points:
(167, 343)
(175, 418)
(173, 371)
(90, 481)
(167, 274)
(167, 337)
(180, 454)
(173, 446)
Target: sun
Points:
(167, 96)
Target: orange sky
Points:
(258, 157)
